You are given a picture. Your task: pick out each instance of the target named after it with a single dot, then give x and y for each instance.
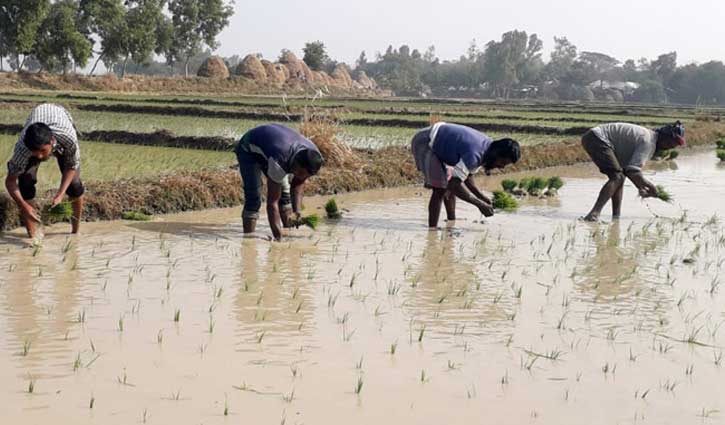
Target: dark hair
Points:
(310, 160)
(504, 148)
(672, 130)
(36, 136)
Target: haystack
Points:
(366, 82)
(213, 67)
(342, 76)
(275, 73)
(297, 68)
(251, 67)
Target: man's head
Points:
(306, 163)
(39, 140)
(670, 136)
(500, 154)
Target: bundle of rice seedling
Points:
(721, 144)
(322, 129)
(504, 201)
(662, 194)
(555, 183)
(60, 212)
(525, 183)
(509, 185)
(721, 154)
(331, 209)
(537, 186)
(135, 216)
(311, 221)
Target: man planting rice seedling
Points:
(620, 150)
(449, 155)
(277, 152)
(49, 131)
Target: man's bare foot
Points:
(592, 218)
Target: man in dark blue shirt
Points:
(448, 155)
(275, 151)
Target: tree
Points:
(103, 22)
(19, 23)
(508, 62)
(562, 58)
(595, 65)
(59, 42)
(315, 55)
(196, 23)
(664, 67)
(362, 60)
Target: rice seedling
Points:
(311, 221)
(226, 406)
(135, 216)
(509, 185)
(27, 344)
(61, 212)
(504, 201)
(332, 210)
(31, 384)
(720, 144)
(662, 194)
(359, 385)
(393, 348)
(92, 402)
(721, 154)
(554, 184)
(177, 315)
(536, 186)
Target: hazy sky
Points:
(622, 28)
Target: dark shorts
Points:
(436, 174)
(601, 153)
(29, 178)
(250, 167)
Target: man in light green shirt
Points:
(620, 150)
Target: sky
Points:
(621, 28)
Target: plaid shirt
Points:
(61, 125)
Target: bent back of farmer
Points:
(448, 155)
(275, 151)
(621, 150)
(49, 131)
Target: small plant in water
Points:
(509, 185)
(60, 212)
(311, 221)
(554, 184)
(721, 154)
(662, 194)
(504, 201)
(135, 216)
(332, 210)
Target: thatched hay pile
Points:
(251, 67)
(324, 129)
(214, 67)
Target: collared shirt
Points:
(276, 145)
(460, 147)
(63, 130)
(633, 145)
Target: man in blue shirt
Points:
(448, 155)
(277, 152)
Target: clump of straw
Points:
(323, 130)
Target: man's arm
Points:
(11, 184)
(274, 193)
(471, 185)
(645, 186)
(456, 186)
(65, 182)
(297, 190)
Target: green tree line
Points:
(62, 35)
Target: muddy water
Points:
(530, 317)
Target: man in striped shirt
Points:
(49, 131)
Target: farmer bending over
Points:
(621, 150)
(49, 131)
(275, 151)
(448, 155)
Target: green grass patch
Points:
(135, 216)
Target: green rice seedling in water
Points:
(311, 221)
(537, 186)
(92, 402)
(332, 210)
(663, 195)
(509, 185)
(359, 385)
(26, 347)
(721, 144)
(177, 315)
(31, 385)
(721, 154)
(525, 183)
(504, 201)
(60, 212)
(135, 216)
(554, 183)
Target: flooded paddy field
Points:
(528, 317)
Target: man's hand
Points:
(57, 200)
(647, 190)
(29, 212)
(485, 208)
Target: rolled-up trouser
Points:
(601, 153)
(436, 173)
(29, 178)
(251, 171)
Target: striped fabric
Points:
(61, 125)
